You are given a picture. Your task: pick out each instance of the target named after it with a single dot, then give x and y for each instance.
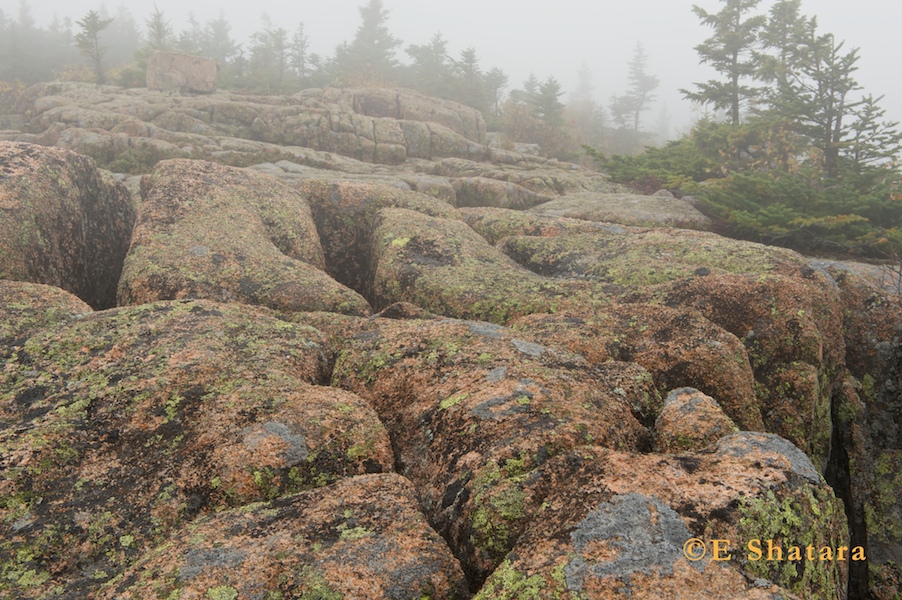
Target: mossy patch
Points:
(807, 516)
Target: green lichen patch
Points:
(363, 533)
(448, 269)
(640, 257)
(344, 214)
(675, 350)
(790, 324)
(64, 224)
(124, 425)
(209, 231)
(614, 525)
(808, 516)
(26, 308)
(475, 409)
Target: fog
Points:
(548, 38)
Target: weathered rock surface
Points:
(473, 408)
(615, 525)
(173, 72)
(786, 313)
(63, 222)
(690, 420)
(678, 349)
(867, 430)
(121, 426)
(226, 234)
(141, 126)
(27, 308)
(660, 209)
(363, 538)
(345, 213)
(406, 105)
(135, 438)
(445, 267)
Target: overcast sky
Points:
(549, 37)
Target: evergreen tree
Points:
(731, 52)
(817, 95)
(370, 57)
(547, 102)
(160, 35)
(269, 57)
(527, 94)
(122, 38)
(216, 41)
(298, 55)
(495, 83)
(874, 143)
(88, 41)
(191, 40)
(642, 85)
(469, 89)
(430, 71)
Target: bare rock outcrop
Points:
(361, 538)
(560, 395)
(226, 234)
(64, 222)
(173, 72)
(122, 425)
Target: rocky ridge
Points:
(382, 363)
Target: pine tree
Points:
(642, 85)
(431, 68)
(817, 96)
(874, 142)
(547, 102)
(469, 90)
(370, 57)
(731, 52)
(217, 43)
(160, 35)
(495, 82)
(298, 57)
(88, 41)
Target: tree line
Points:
(113, 48)
(792, 151)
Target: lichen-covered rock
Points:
(657, 210)
(617, 525)
(226, 234)
(445, 267)
(790, 322)
(122, 426)
(361, 539)
(474, 409)
(64, 223)
(678, 349)
(787, 314)
(344, 214)
(406, 105)
(868, 429)
(643, 257)
(482, 191)
(542, 176)
(496, 224)
(173, 72)
(690, 420)
(26, 308)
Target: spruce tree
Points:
(370, 57)
(730, 51)
(88, 41)
(642, 85)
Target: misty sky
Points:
(550, 37)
